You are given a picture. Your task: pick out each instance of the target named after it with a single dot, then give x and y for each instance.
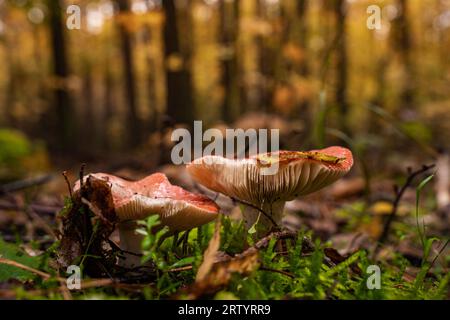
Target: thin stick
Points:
(115, 247)
(64, 173)
(84, 285)
(399, 194)
(242, 202)
(438, 254)
(257, 208)
(23, 184)
(24, 267)
(65, 290)
(185, 268)
(36, 207)
(83, 165)
(34, 216)
(285, 273)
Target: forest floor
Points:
(333, 245)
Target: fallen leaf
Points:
(381, 208)
(87, 224)
(221, 272)
(210, 254)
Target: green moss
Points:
(15, 253)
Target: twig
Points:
(83, 165)
(38, 208)
(117, 248)
(23, 184)
(280, 235)
(257, 208)
(438, 254)
(288, 274)
(399, 194)
(64, 173)
(34, 216)
(65, 290)
(185, 268)
(24, 267)
(84, 285)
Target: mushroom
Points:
(297, 174)
(178, 209)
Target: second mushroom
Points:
(298, 174)
(177, 208)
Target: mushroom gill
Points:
(297, 174)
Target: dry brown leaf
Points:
(373, 228)
(220, 273)
(380, 208)
(210, 254)
(91, 206)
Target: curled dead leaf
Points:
(210, 254)
(221, 272)
(86, 226)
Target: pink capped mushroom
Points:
(297, 174)
(177, 208)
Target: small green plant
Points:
(151, 242)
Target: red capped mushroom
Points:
(298, 173)
(177, 208)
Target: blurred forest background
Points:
(111, 93)
(115, 88)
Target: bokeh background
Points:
(112, 91)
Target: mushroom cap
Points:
(178, 209)
(298, 174)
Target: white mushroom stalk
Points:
(177, 208)
(297, 174)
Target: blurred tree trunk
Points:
(341, 64)
(403, 42)
(62, 113)
(249, 92)
(267, 63)
(10, 94)
(302, 10)
(108, 105)
(179, 98)
(443, 39)
(151, 84)
(133, 122)
(89, 131)
(42, 93)
(301, 38)
(229, 27)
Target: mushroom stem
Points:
(273, 210)
(130, 241)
